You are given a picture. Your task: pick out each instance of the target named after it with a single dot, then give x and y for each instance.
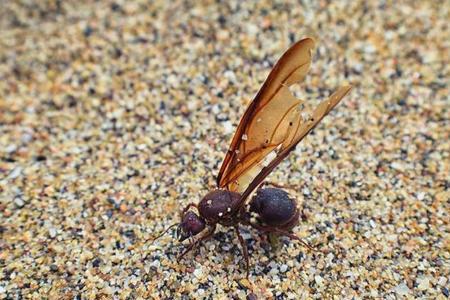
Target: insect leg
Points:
(292, 236)
(244, 249)
(192, 245)
(188, 248)
(269, 229)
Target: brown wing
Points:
(273, 124)
(265, 124)
(304, 126)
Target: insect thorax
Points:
(219, 206)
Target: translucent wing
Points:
(265, 123)
(273, 124)
(302, 127)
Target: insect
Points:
(273, 124)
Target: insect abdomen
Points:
(274, 207)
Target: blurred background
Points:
(116, 114)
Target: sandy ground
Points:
(115, 115)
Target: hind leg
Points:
(293, 237)
(278, 231)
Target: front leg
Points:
(197, 242)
